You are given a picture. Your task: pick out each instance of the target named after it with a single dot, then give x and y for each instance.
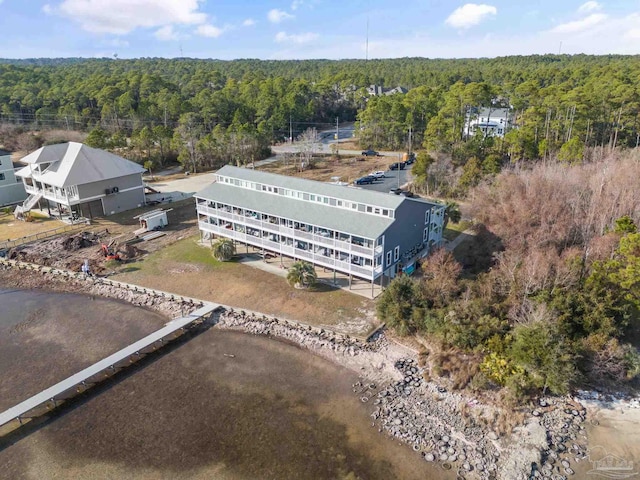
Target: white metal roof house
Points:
(488, 122)
(11, 189)
(77, 179)
(376, 90)
(360, 233)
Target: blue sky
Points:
(299, 29)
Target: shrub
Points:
(223, 250)
(302, 275)
(397, 303)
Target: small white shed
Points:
(153, 220)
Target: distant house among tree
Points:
(488, 122)
(376, 90)
(395, 90)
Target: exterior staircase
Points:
(27, 205)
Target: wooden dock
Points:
(71, 386)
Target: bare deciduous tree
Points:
(308, 142)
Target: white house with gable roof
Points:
(77, 180)
(488, 122)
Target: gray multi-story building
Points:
(357, 232)
(11, 189)
(79, 180)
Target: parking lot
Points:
(392, 179)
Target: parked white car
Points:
(378, 174)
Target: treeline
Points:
(561, 104)
(557, 302)
(582, 109)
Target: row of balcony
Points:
(368, 273)
(328, 240)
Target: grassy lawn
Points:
(455, 229)
(187, 268)
(11, 229)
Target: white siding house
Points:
(77, 180)
(488, 122)
(11, 188)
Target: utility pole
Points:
(410, 140)
(366, 58)
(290, 130)
(337, 138)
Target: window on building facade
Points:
(425, 235)
(396, 254)
(1, 176)
(389, 257)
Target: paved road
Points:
(326, 138)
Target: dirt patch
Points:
(115, 233)
(324, 169)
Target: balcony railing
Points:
(303, 254)
(361, 250)
(346, 248)
(48, 193)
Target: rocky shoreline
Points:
(431, 420)
(442, 426)
(71, 282)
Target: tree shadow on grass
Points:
(477, 254)
(129, 269)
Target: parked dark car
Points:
(396, 191)
(397, 166)
(411, 158)
(407, 193)
(364, 180)
(370, 153)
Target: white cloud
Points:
(580, 25)
(283, 37)
(470, 14)
(277, 16)
(632, 34)
(248, 22)
(46, 9)
(166, 33)
(589, 6)
(296, 4)
(117, 43)
(123, 16)
(210, 31)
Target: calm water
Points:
(272, 411)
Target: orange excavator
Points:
(109, 254)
